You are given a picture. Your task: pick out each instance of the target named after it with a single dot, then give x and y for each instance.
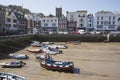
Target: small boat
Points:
(41, 57)
(18, 56)
(36, 44)
(57, 65)
(13, 64)
(10, 76)
(35, 50)
(51, 50)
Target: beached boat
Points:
(18, 56)
(13, 64)
(36, 44)
(57, 65)
(51, 50)
(41, 57)
(35, 50)
(10, 76)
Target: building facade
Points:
(62, 24)
(49, 24)
(29, 23)
(77, 20)
(119, 23)
(2, 20)
(81, 20)
(90, 23)
(71, 21)
(16, 22)
(106, 21)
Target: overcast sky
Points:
(48, 6)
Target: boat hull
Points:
(57, 67)
(12, 66)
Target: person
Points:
(47, 57)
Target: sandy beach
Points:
(92, 61)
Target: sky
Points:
(48, 6)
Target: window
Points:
(83, 15)
(97, 18)
(53, 24)
(78, 15)
(90, 20)
(81, 25)
(43, 20)
(46, 24)
(81, 20)
(90, 25)
(101, 18)
(14, 21)
(47, 20)
(55, 20)
(8, 20)
(113, 17)
(51, 20)
(109, 22)
(97, 23)
(113, 22)
(105, 22)
(99, 26)
(109, 17)
(101, 23)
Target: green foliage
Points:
(13, 44)
(19, 8)
(115, 38)
(65, 38)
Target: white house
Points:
(78, 17)
(81, 19)
(49, 24)
(11, 21)
(90, 23)
(105, 21)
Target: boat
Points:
(57, 65)
(14, 64)
(36, 44)
(41, 57)
(35, 50)
(51, 50)
(10, 76)
(18, 56)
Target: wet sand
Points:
(93, 61)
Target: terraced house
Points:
(49, 23)
(77, 20)
(106, 21)
(16, 22)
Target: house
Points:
(16, 22)
(106, 21)
(49, 24)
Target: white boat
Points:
(51, 50)
(18, 56)
(14, 64)
(10, 76)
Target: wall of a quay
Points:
(10, 44)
